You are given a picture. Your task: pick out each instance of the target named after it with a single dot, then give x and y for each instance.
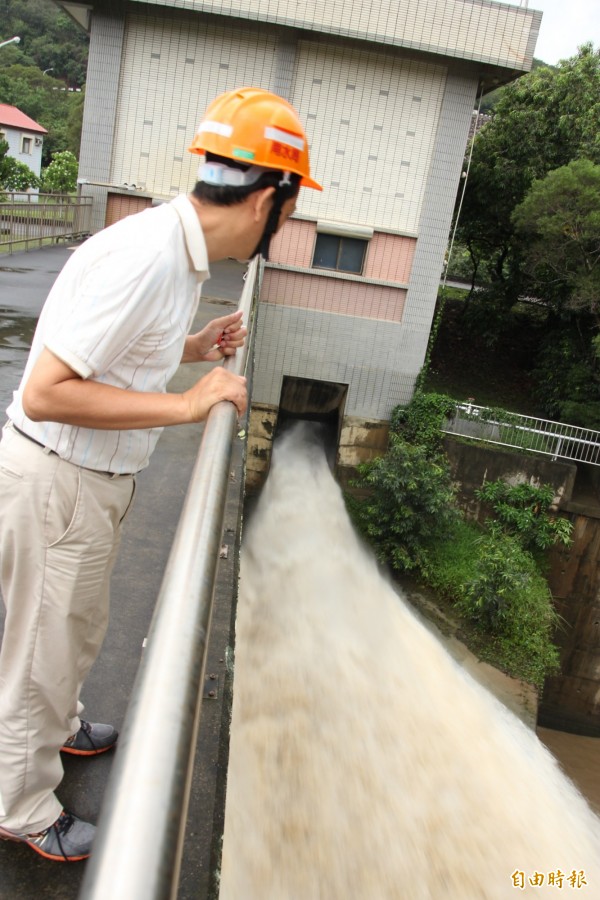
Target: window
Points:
(26, 144)
(344, 254)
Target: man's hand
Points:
(218, 385)
(218, 339)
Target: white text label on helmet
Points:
(275, 134)
(215, 128)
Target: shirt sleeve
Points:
(113, 302)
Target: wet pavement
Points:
(25, 279)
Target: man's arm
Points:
(55, 393)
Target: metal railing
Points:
(28, 220)
(554, 439)
(138, 847)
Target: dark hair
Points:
(225, 195)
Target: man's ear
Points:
(261, 202)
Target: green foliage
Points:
(503, 600)
(421, 421)
(487, 317)
(524, 511)
(566, 378)
(61, 175)
(541, 122)
(14, 174)
(509, 599)
(559, 221)
(49, 39)
(410, 503)
(409, 515)
(45, 100)
(41, 75)
(452, 560)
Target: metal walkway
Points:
(25, 279)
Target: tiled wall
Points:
(389, 256)
(171, 69)
(293, 245)
(372, 117)
(102, 92)
(374, 357)
(470, 29)
(333, 295)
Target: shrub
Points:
(524, 511)
(452, 560)
(410, 503)
(510, 601)
(61, 175)
(421, 421)
(16, 176)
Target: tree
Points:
(542, 121)
(559, 223)
(42, 75)
(43, 99)
(61, 175)
(525, 512)
(49, 39)
(410, 503)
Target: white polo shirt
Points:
(119, 313)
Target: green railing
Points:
(33, 220)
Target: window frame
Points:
(26, 138)
(340, 232)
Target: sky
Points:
(565, 25)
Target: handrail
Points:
(550, 438)
(138, 847)
(37, 219)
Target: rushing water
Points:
(366, 764)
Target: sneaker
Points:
(91, 739)
(69, 839)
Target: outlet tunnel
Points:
(315, 401)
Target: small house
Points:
(25, 137)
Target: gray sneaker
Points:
(69, 839)
(91, 739)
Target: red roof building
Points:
(12, 117)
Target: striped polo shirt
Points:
(119, 313)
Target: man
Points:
(85, 419)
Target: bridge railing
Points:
(554, 439)
(32, 220)
(138, 847)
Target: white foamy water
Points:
(365, 763)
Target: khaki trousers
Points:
(60, 527)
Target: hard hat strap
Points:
(284, 190)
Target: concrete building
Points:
(386, 91)
(24, 136)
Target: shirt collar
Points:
(192, 230)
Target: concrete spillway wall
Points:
(570, 701)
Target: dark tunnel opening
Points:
(310, 400)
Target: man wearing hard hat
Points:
(85, 419)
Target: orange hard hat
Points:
(254, 126)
